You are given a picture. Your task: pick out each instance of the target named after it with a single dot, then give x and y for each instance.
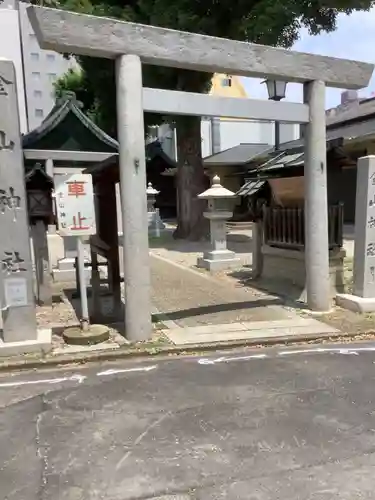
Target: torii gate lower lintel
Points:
(131, 45)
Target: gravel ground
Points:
(187, 252)
(65, 313)
(350, 322)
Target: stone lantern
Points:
(220, 202)
(154, 221)
(151, 197)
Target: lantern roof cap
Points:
(216, 190)
(150, 190)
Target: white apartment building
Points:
(36, 69)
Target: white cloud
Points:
(353, 39)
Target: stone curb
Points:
(146, 352)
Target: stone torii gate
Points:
(133, 44)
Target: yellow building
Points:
(221, 133)
(227, 86)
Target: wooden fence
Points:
(285, 227)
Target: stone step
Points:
(258, 330)
(240, 225)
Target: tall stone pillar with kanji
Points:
(363, 297)
(16, 274)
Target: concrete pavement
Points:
(192, 298)
(257, 424)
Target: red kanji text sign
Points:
(75, 205)
(76, 188)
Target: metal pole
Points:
(157, 223)
(316, 206)
(257, 237)
(130, 133)
(277, 135)
(215, 135)
(82, 284)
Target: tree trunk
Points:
(191, 180)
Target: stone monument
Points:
(219, 211)
(19, 330)
(363, 297)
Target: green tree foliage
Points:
(269, 22)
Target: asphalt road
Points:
(252, 425)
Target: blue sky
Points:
(353, 39)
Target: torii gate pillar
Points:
(132, 162)
(316, 206)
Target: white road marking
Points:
(349, 352)
(300, 351)
(74, 378)
(208, 361)
(126, 370)
(340, 350)
(355, 351)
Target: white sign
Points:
(15, 292)
(75, 208)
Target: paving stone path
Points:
(190, 298)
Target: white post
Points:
(157, 223)
(130, 131)
(82, 284)
(316, 206)
(119, 210)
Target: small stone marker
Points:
(363, 298)
(16, 273)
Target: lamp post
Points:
(276, 91)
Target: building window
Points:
(38, 94)
(39, 113)
(35, 75)
(51, 57)
(226, 82)
(52, 77)
(34, 56)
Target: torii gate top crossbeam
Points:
(82, 34)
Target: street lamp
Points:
(276, 91)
